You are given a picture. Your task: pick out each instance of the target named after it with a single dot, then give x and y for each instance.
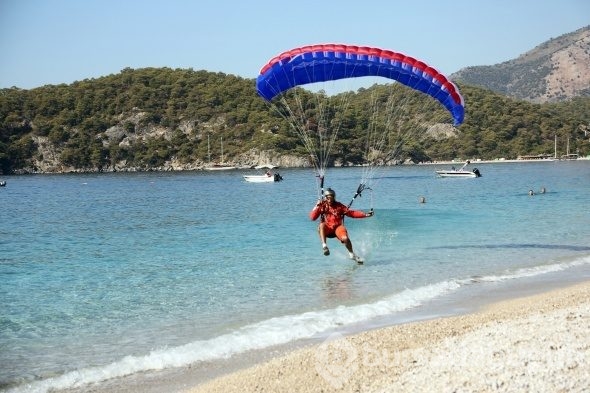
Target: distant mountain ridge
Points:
(554, 71)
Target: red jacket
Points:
(333, 215)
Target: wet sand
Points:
(535, 343)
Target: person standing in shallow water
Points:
(331, 224)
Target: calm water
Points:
(113, 274)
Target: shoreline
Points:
(537, 341)
(239, 168)
(286, 367)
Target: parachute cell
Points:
(320, 63)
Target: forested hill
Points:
(164, 119)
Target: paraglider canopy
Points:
(378, 121)
(325, 62)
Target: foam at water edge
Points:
(529, 271)
(274, 331)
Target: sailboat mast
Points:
(208, 149)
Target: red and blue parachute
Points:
(326, 62)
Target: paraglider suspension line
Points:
(359, 191)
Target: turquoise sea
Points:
(110, 276)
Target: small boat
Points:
(567, 155)
(2, 183)
(461, 172)
(267, 177)
(220, 166)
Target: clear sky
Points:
(62, 41)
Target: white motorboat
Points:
(461, 172)
(267, 177)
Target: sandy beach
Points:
(532, 344)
